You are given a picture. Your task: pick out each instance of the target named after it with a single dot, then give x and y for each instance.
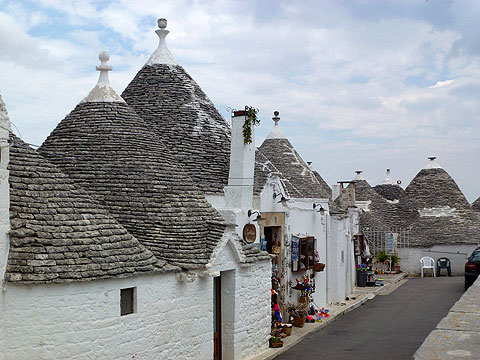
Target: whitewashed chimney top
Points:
(276, 132)
(432, 164)
(162, 55)
(102, 92)
(388, 179)
(359, 175)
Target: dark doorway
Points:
(217, 318)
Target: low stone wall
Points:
(457, 336)
(458, 254)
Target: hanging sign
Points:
(294, 253)
(249, 233)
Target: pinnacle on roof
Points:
(162, 55)
(276, 132)
(4, 120)
(388, 179)
(102, 92)
(358, 175)
(432, 164)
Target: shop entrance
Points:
(274, 245)
(217, 318)
(224, 315)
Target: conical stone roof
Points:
(59, 233)
(106, 148)
(437, 210)
(380, 213)
(434, 188)
(176, 109)
(389, 191)
(276, 154)
(389, 188)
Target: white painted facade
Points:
(341, 263)
(333, 234)
(173, 318)
(4, 211)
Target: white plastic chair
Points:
(427, 262)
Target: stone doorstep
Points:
(335, 312)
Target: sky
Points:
(359, 84)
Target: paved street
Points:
(390, 327)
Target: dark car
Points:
(472, 268)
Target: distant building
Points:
(430, 218)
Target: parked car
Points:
(472, 268)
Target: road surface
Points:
(389, 327)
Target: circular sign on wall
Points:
(249, 233)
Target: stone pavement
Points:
(457, 336)
(360, 296)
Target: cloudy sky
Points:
(360, 85)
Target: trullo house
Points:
(109, 250)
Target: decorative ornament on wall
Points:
(249, 233)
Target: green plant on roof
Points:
(250, 120)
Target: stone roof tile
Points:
(59, 233)
(178, 111)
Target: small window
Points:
(127, 301)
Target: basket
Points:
(275, 344)
(299, 321)
(287, 330)
(318, 267)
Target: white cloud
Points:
(442, 83)
(295, 57)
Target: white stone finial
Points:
(358, 175)
(162, 23)
(4, 120)
(388, 179)
(276, 119)
(432, 164)
(102, 92)
(276, 133)
(162, 55)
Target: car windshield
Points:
(475, 256)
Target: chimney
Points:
(239, 192)
(4, 187)
(336, 190)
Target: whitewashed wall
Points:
(458, 254)
(300, 218)
(82, 320)
(341, 260)
(174, 320)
